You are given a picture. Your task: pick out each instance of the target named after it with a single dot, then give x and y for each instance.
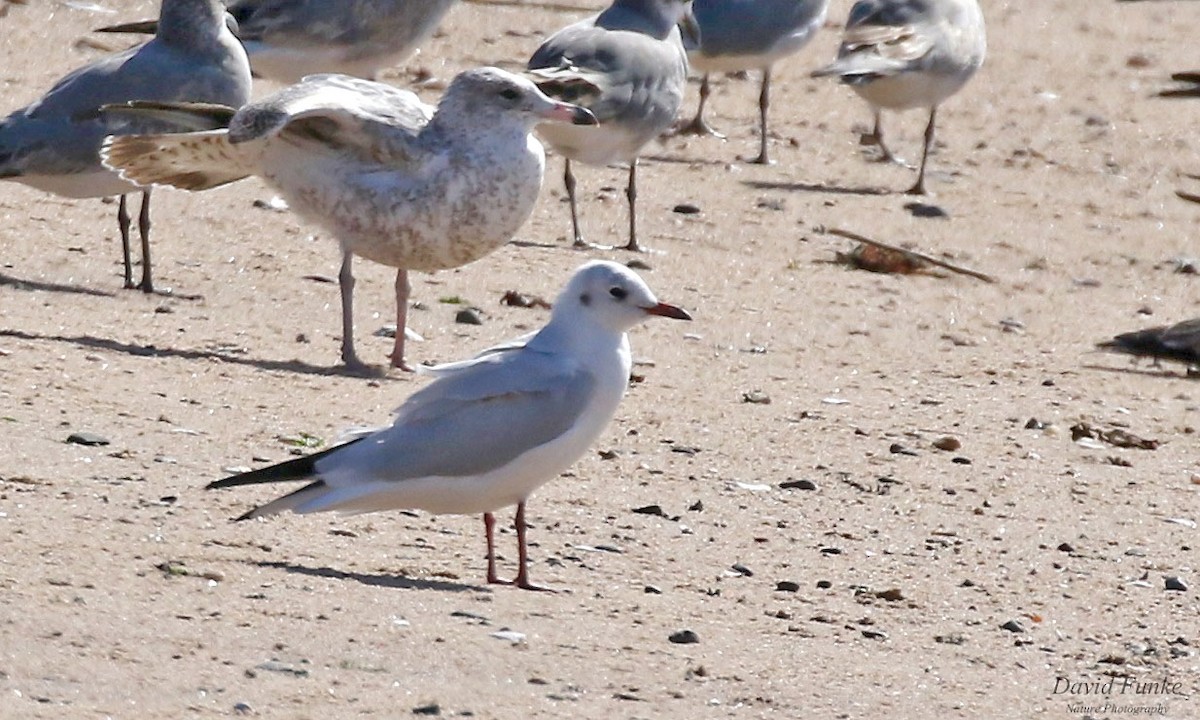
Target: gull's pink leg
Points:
(403, 290)
(522, 580)
(489, 524)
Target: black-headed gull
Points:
(634, 69)
(737, 35)
(394, 180)
(53, 144)
(488, 431)
(288, 40)
(901, 54)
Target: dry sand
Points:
(126, 592)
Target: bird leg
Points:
(631, 196)
(123, 224)
(764, 102)
(919, 187)
(698, 126)
(403, 290)
(522, 579)
(147, 285)
(346, 283)
(489, 526)
(569, 184)
(875, 137)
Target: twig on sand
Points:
(911, 255)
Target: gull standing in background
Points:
(53, 144)
(289, 39)
(488, 431)
(737, 35)
(393, 180)
(627, 65)
(901, 54)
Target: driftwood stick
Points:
(912, 254)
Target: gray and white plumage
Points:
(631, 60)
(737, 35)
(53, 145)
(487, 432)
(902, 54)
(288, 40)
(395, 180)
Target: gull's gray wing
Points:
(478, 417)
(637, 78)
(753, 27)
(376, 121)
(61, 133)
(311, 23)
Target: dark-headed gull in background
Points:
(627, 65)
(53, 144)
(290, 39)
(488, 431)
(901, 54)
(393, 180)
(737, 35)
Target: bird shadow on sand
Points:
(1161, 371)
(399, 582)
(40, 286)
(115, 346)
(816, 188)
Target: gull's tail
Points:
(301, 468)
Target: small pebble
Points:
(948, 443)
(684, 637)
(787, 586)
(898, 449)
(243, 709)
(824, 584)
(1174, 583)
(650, 510)
(87, 439)
(925, 210)
(802, 484)
(1013, 626)
(652, 590)
(741, 569)
(686, 209)
(430, 709)
(468, 316)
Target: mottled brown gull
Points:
(394, 180)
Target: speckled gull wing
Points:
(376, 121)
(473, 421)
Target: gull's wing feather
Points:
(372, 119)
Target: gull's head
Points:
(612, 296)
(490, 95)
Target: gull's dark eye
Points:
(618, 292)
(509, 94)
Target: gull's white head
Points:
(612, 296)
(491, 95)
